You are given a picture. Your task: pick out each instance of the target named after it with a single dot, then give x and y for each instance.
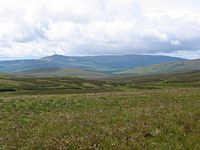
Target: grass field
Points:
(158, 112)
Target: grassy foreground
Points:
(167, 118)
(150, 112)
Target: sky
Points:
(38, 28)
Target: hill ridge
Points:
(107, 63)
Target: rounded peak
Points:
(55, 56)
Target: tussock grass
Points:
(154, 112)
(137, 119)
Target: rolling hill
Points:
(101, 63)
(164, 68)
(59, 72)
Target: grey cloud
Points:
(95, 27)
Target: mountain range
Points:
(99, 66)
(100, 63)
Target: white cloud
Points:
(189, 54)
(38, 28)
(175, 42)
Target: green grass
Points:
(58, 72)
(155, 112)
(33, 85)
(141, 119)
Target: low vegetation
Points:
(58, 72)
(154, 112)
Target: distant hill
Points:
(107, 64)
(164, 68)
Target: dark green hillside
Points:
(58, 72)
(65, 85)
(40, 84)
(189, 79)
(165, 68)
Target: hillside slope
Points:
(58, 72)
(164, 68)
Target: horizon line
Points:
(36, 58)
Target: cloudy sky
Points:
(37, 28)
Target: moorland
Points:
(122, 112)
